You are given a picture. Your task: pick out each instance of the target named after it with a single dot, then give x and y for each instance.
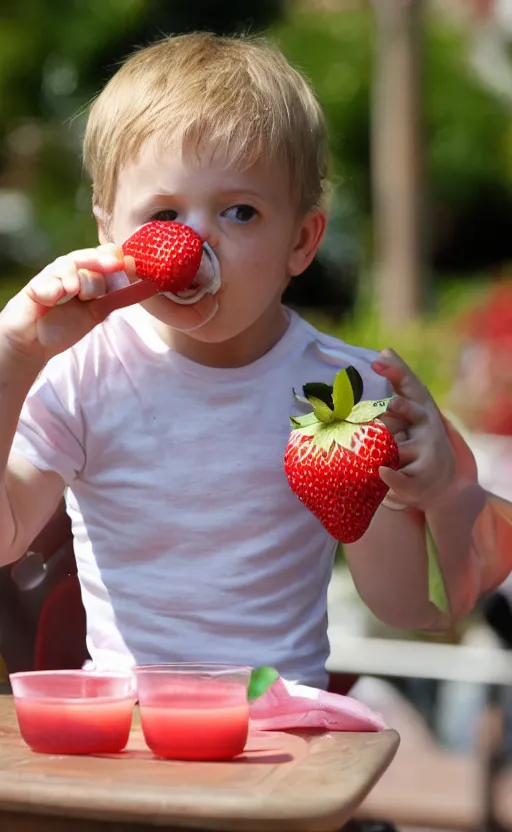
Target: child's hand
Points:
(427, 464)
(37, 324)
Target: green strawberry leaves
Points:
(322, 411)
(262, 678)
(319, 390)
(337, 404)
(320, 397)
(343, 394)
(333, 404)
(367, 411)
(356, 382)
(304, 421)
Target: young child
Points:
(168, 423)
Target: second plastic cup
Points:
(194, 711)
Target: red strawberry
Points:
(167, 253)
(333, 456)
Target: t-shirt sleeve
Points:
(50, 431)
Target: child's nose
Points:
(205, 228)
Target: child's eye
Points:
(241, 213)
(166, 215)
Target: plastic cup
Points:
(194, 711)
(74, 711)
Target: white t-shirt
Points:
(189, 543)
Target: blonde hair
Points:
(236, 94)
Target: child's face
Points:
(248, 217)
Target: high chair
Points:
(42, 619)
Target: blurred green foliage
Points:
(54, 57)
(467, 131)
(431, 345)
(468, 153)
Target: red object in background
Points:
(60, 640)
(341, 683)
(497, 417)
(483, 9)
(491, 321)
(488, 330)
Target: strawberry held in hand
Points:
(333, 456)
(167, 253)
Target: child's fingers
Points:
(129, 267)
(398, 481)
(404, 381)
(92, 284)
(104, 259)
(394, 424)
(56, 282)
(416, 465)
(79, 274)
(408, 410)
(408, 450)
(110, 248)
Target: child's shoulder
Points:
(325, 354)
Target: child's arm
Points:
(28, 497)
(34, 327)
(389, 567)
(437, 484)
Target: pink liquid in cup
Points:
(194, 712)
(74, 712)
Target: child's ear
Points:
(309, 237)
(102, 224)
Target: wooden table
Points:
(284, 781)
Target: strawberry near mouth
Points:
(206, 281)
(171, 260)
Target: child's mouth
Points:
(206, 281)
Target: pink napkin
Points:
(287, 705)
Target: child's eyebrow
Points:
(235, 193)
(153, 200)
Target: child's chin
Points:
(184, 318)
(210, 333)
(215, 331)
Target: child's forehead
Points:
(163, 164)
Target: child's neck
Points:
(240, 351)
